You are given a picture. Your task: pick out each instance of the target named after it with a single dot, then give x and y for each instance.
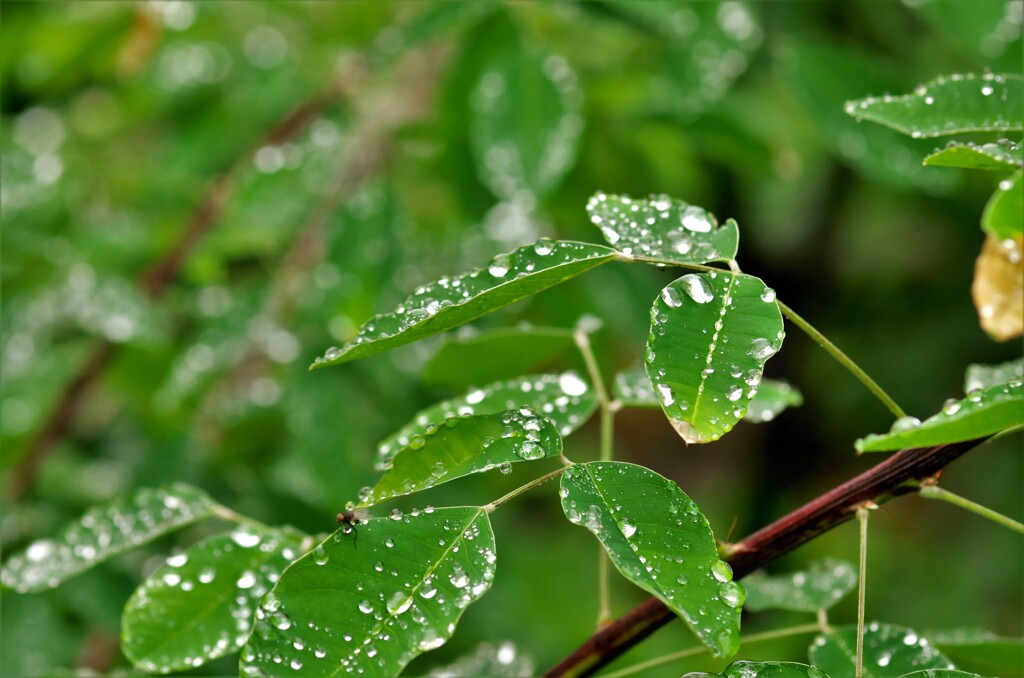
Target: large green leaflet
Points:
(475, 358)
(452, 301)
(981, 651)
(819, 587)
(747, 669)
(997, 157)
(663, 228)
(950, 105)
(889, 651)
(980, 414)
(200, 605)
(464, 445)
(104, 532)
(978, 376)
(1004, 214)
(658, 539)
(565, 399)
(711, 334)
(370, 608)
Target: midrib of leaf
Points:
(414, 590)
(711, 349)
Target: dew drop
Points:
(671, 296)
(697, 288)
(722, 571)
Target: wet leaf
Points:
(981, 651)
(772, 398)
(983, 376)
(463, 445)
(949, 105)
(659, 540)
(200, 605)
(998, 287)
(483, 357)
(502, 661)
(981, 413)
(819, 587)
(370, 608)
(996, 157)
(450, 302)
(663, 227)
(747, 669)
(565, 399)
(711, 334)
(1004, 214)
(889, 651)
(940, 673)
(104, 532)
(633, 388)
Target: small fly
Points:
(349, 518)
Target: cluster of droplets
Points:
(983, 376)
(450, 292)
(103, 532)
(400, 596)
(822, 585)
(886, 644)
(662, 227)
(634, 386)
(503, 659)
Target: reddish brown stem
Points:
(891, 478)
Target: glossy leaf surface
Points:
(449, 302)
(711, 334)
(819, 587)
(1004, 214)
(889, 651)
(748, 669)
(565, 399)
(981, 651)
(484, 357)
(772, 398)
(980, 414)
(949, 105)
(978, 376)
(201, 604)
(994, 157)
(663, 227)
(464, 445)
(104, 532)
(659, 540)
(370, 609)
(503, 660)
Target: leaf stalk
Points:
(936, 492)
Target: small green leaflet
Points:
(200, 605)
(646, 524)
(940, 673)
(565, 399)
(464, 445)
(1004, 214)
(999, 157)
(950, 105)
(889, 651)
(452, 301)
(819, 587)
(983, 376)
(981, 651)
(982, 413)
(663, 228)
(104, 532)
(503, 661)
(746, 669)
(484, 357)
(632, 388)
(370, 609)
(711, 334)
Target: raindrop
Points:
(697, 288)
(905, 424)
(696, 219)
(571, 384)
(732, 594)
(365, 607)
(499, 266)
(722, 571)
(768, 295)
(671, 296)
(628, 529)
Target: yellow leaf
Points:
(998, 288)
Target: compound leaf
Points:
(201, 603)
(819, 587)
(449, 302)
(889, 651)
(711, 334)
(104, 532)
(646, 524)
(370, 608)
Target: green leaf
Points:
(889, 651)
(980, 414)
(999, 157)
(1004, 214)
(633, 388)
(820, 587)
(104, 532)
(484, 357)
(371, 608)
(565, 399)
(949, 105)
(772, 397)
(664, 228)
(450, 302)
(984, 376)
(200, 605)
(981, 651)
(748, 669)
(645, 522)
(711, 334)
(463, 445)
(503, 661)
(940, 673)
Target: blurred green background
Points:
(311, 163)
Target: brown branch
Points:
(891, 478)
